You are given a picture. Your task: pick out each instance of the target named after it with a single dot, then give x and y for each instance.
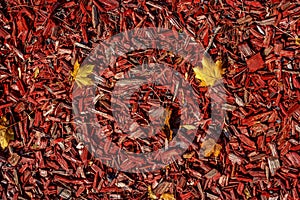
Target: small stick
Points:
(212, 39)
(288, 71)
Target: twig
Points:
(212, 39)
(288, 71)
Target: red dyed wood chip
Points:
(255, 63)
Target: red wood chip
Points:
(255, 63)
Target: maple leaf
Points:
(6, 133)
(210, 71)
(80, 74)
(211, 147)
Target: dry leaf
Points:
(210, 72)
(297, 41)
(188, 155)
(167, 196)
(151, 194)
(6, 133)
(217, 150)
(80, 74)
(3, 141)
(211, 147)
(247, 193)
(36, 72)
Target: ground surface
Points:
(257, 154)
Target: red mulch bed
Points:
(258, 44)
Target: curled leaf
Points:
(80, 74)
(210, 71)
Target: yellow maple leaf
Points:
(210, 71)
(6, 133)
(211, 147)
(167, 196)
(80, 74)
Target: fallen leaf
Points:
(151, 194)
(3, 141)
(211, 147)
(297, 41)
(6, 133)
(36, 72)
(217, 150)
(210, 71)
(188, 155)
(247, 193)
(80, 74)
(76, 69)
(167, 196)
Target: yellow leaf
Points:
(36, 72)
(247, 193)
(6, 133)
(151, 194)
(297, 41)
(188, 155)
(3, 141)
(211, 147)
(76, 68)
(80, 74)
(217, 150)
(167, 196)
(210, 71)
